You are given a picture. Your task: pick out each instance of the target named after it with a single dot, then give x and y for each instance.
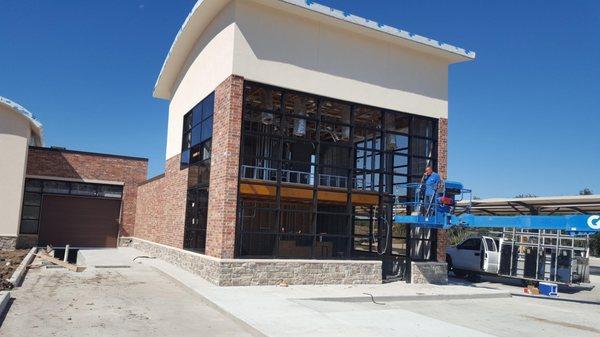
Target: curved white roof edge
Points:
(36, 126)
(315, 7)
(334, 13)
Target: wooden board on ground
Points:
(58, 262)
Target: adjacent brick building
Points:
(56, 176)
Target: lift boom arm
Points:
(439, 213)
(579, 224)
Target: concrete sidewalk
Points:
(327, 310)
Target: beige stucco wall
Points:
(209, 64)
(14, 137)
(301, 51)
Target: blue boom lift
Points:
(531, 247)
(439, 212)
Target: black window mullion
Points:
(317, 178)
(278, 214)
(350, 187)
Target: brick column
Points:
(224, 168)
(443, 171)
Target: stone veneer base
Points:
(8, 242)
(247, 272)
(429, 272)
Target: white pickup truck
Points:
(532, 257)
(474, 256)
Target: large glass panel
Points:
(83, 189)
(296, 218)
(367, 117)
(295, 246)
(256, 121)
(199, 174)
(332, 223)
(207, 127)
(196, 135)
(258, 217)
(194, 239)
(299, 105)
(52, 186)
(334, 133)
(32, 199)
(396, 143)
(197, 114)
(335, 112)
(367, 160)
(423, 127)
(208, 105)
(328, 247)
(399, 164)
(397, 122)
(110, 191)
(30, 212)
(185, 157)
(362, 243)
(300, 128)
(366, 138)
(331, 155)
(32, 185)
(257, 245)
(418, 165)
(187, 140)
(29, 226)
(187, 121)
(422, 147)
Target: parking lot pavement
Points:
(516, 316)
(134, 301)
(582, 293)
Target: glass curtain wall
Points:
(196, 150)
(295, 139)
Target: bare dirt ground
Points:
(135, 301)
(9, 261)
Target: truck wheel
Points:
(449, 263)
(459, 273)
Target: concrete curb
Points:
(367, 298)
(4, 300)
(560, 299)
(249, 328)
(17, 276)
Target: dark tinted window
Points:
(197, 129)
(470, 244)
(490, 245)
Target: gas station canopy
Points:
(578, 204)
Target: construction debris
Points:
(44, 256)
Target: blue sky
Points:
(524, 116)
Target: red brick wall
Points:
(224, 166)
(161, 206)
(81, 165)
(442, 237)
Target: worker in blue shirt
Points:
(430, 181)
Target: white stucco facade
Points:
(18, 130)
(306, 48)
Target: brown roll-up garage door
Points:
(79, 221)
